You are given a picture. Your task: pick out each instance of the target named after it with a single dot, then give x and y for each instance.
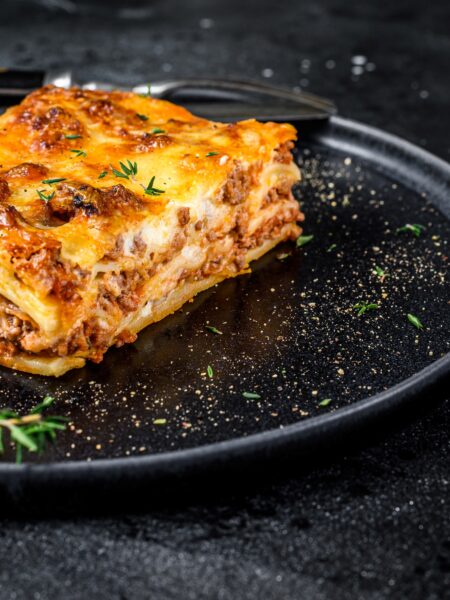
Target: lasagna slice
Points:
(115, 209)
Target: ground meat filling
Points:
(282, 191)
(14, 326)
(121, 293)
(283, 154)
(236, 188)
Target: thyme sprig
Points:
(30, 432)
(363, 307)
(127, 170)
(150, 190)
(79, 153)
(414, 228)
(45, 197)
(379, 272)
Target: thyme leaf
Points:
(415, 321)
(251, 395)
(302, 240)
(51, 181)
(325, 402)
(39, 408)
(213, 329)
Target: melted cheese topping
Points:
(111, 130)
(81, 171)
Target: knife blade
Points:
(239, 111)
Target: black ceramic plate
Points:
(290, 335)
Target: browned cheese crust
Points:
(115, 209)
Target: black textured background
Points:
(373, 523)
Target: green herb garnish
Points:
(251, 395)
(302, 240)
(414, 228)
(212, 154)
(158, 130)
(159, 421)
(325, 402)
(32, 431)
(128, 170)
(119, 174)
(142, 117)
(331, 248)
(103, 174)
(81, 153)
(45, 197)
(415, 321)
(283, 255)
(148, 92)
(152, 191)
(46, 402)
(56, 180)
(71, 136)
(363, 307)
(210, 371)
(213, 329)
(379, 272)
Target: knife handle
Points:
(14, 82)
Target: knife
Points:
(227, 100)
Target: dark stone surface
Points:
(374, 523)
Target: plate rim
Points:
(301, 433)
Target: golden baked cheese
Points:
(116, 208)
